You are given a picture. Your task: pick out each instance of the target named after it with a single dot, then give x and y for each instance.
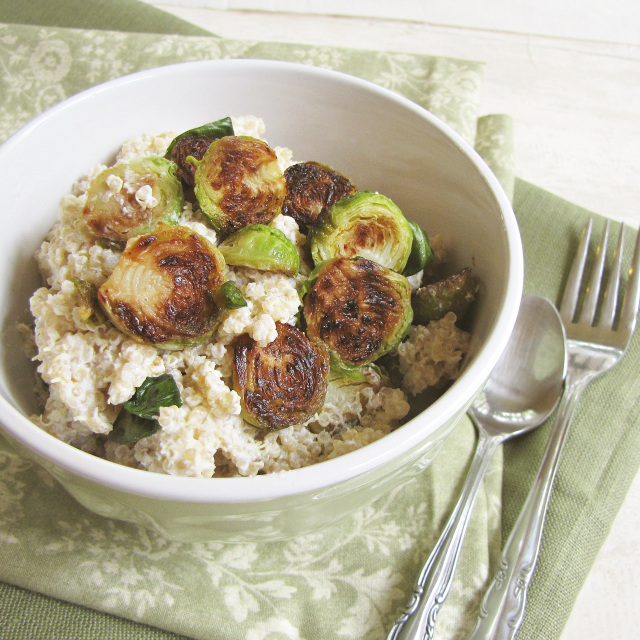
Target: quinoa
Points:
(431, 354)
(90, 368)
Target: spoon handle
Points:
(432, 587)
(502, 609)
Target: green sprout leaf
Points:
(213, 130)
(421, 253)
(152, 394)
(233, 298)
(130, 428)
(137, 420)
(89, 308)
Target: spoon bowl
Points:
(527, 381)
(520, 394)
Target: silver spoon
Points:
(521, 393)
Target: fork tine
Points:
(593, 288)
(632, 295)
(572, 288)
(610, 300)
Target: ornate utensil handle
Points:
(502, 609)
(434, 582)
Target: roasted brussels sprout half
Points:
(131, 198)
(312, 187)
(282, 384)
(239, 182)
(358, 308)
(259, 246)
(194, 144)
(165, 288)
(421, 253)
(366, 224)
(435, 300)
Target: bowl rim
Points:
(321, 475)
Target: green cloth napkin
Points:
(115, 15)
(602, 454)
(103, 578)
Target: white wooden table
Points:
(569, 75)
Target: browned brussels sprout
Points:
(194, 144)
(435, 300)
(358, 308)
(131, 198)
(366, 224)
(282, 384)
(312, 187)
(239, 182)
(165, 289)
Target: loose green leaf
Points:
(421, 253)
(233, 298)
(130, 428)
(137, 420)
(152, 394)
(213, 130)
(89, 307)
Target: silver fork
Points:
(595, 343)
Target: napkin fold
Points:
(102, 578)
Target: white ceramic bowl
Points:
(385, 143)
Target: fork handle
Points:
(502, 609)
(418, 619)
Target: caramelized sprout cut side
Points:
(282, 384)
(366, 224)
(239, 182)
(164, 288)
(312, 188)
(131, 198)
(360, 309)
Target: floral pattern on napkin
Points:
(348, 581)
(42, 66)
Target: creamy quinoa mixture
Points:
(90, 369)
